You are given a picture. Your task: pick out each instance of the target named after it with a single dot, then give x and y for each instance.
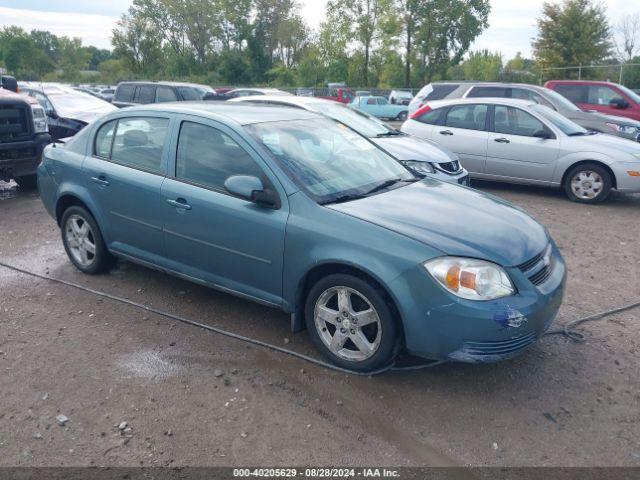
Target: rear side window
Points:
(574, 93)
(432, 117)
(470, 117)
(513, 121)
(104, 139)
(145, 94)
(189, 94)
(487, 92)
(139, 142)
(208, 157)
(437, 92)
(124, 93)
(165, 94)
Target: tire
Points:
(80, 231)
(358, 346)
(27, 181)
(402, 116)
(588, 183)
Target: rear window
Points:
(124, 93)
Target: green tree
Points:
(73, 57)
(482, 66)
(138, 43)
(572, 33)
(21, 55)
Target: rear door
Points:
(123, 96)
(124, 173)
(514, 153)
(464, 131)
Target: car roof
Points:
(164, 83)
(242, 113)
(491, 101)
(288, 99)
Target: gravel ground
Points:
(190, 397)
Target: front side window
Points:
(371, 101)
(599, 95)
(524, 94)
(206, 156)
(382, 101)
(327, 159)
(470, 117)
(361, 122)
(139, 142)
(513, 121)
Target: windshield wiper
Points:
(389, 183)
(390, 133)
(577, 134)
(344, 198)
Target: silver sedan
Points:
(520, 141)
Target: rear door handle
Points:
(101, 180)
(446, 132)
(501, 140)
(180, 203)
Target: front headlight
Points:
(471, 279)
(423, 168)
(39, 119)
(625, 129)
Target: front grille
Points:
(451, 167)
(17, 153)
(545, 263)
(14, 122)
(503, 347)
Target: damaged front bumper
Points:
(481, 331)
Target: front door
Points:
(124, 173)
(212, 235)
(514, 152)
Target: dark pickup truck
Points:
(23, 135)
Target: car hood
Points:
(406, 147)
(455, 220)
(604, 144)
(88, 116)
(600, 117)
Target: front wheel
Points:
(588, 183)
(402, 116)
(83, 241)
(351, 323)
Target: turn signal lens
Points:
(633, 173)
(471, 279)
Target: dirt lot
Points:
(191, 397)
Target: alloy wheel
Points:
(347, 323)
(80, 240)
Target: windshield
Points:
(67, 104)
(559, 101)
(563, 123)
(630, 93)
(327, 159)
(361, 122)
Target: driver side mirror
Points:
(52, 114)
(619, 103)
(252, 189)
(543, 134)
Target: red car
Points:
(605, 97)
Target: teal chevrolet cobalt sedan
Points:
(296, 211)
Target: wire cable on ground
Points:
(566, 330)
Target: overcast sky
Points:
(512, 23)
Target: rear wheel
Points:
(588, 183)
(83, 241)
(27, 181)
(402, 116)
(351, 323)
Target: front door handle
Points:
(501, 140)
(446, 132)
(101, 180)
(180, 203)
